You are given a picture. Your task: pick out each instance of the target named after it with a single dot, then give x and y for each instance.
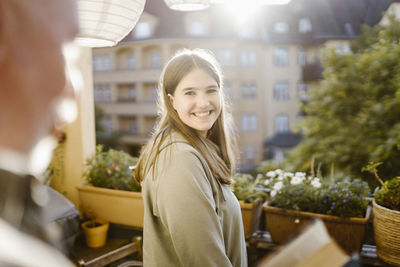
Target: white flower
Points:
(271, 174)
(259, 176)
(266, 182)
(300, 174)
(280, 177)
(288, 174)
(273, 193)
(310, 178)
(278, 171)
(296, 180)
(316, 183)
(278, 186)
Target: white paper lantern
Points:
(187, 5)
(106, 22)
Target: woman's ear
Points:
(171, 99)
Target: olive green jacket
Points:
(190, 218)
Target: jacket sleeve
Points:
(187, 209)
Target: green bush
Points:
(389, 196)
(112, 169)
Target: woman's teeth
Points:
(202, 114)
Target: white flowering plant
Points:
(302, 192)
(247, 188)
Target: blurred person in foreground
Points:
(33, 84)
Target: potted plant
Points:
(110, 191)
(247, 191)
(295, 199)
(95, 232)
(386, 210)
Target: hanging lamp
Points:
(187, 5)
(105, 22)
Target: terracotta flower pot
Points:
(251, 214)
(284, 224)
(387, 233)
(95, 232)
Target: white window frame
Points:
(281, 123)
(282, 91)
(249, 122)
(305, 25)
(142, 30)
(281, 57)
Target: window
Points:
(224, 57)
(132, 93)
(302, 57)
(281, 27)
(155, 59)
(281, 91)
(101, 62)
(131, 61)
(249, 90)
(249, 152)
(107, 124)
(142, 30)
(302, 91)
(342, 48)
(305, 25)
(197, 28)
(282, 123)
(281, 57)
(248, 58)
(102, 92)
(133, 126)
(154, 94)
(228, 90)
(249, 122)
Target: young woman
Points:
(191, 216)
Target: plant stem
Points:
(380, 180)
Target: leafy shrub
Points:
(247, 188)
(112, 169)
(388, 195)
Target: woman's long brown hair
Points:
(217, 147)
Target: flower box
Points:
(115, 206)
(285, 224)
(251, 215)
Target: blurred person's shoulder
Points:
(19, 249)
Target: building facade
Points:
(270, 60)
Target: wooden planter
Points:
(115, 206)
(251, 214)
(387, 233)
(348, 232)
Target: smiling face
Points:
(197, 100)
